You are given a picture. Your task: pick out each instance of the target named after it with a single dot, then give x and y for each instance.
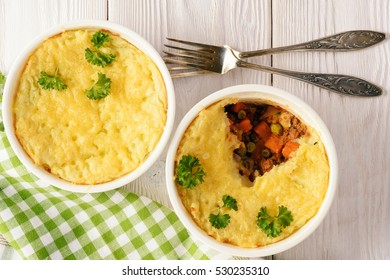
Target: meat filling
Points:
(267, 133)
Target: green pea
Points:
(276, 128)
(241, 151)
(241, 114)
(249, 163)
(266, 153)
(255, 137)
(251, 147)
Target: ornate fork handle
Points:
(346, 41)
(342, 84)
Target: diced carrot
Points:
(263, 130)
(289, 148)
(245, 125)
(274, 143)
(238, 107)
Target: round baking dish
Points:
(12, 83)
(253, 93)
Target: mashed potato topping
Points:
(300, 183)
(88, 141)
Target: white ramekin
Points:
(286, 100)
(12, 82)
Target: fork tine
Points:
(187, 57)
(188, 74)
(175, 67)
(198, 52)
(210, 47)
(194, 64)
(179, 71)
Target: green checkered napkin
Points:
(43, 222)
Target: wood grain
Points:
(23, 20)
(357, 226)
(213, 22)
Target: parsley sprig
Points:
(99, 38)
(272, 226)
(219, 221)
(2, 82)
(101, 88)
(47, 81)
(229, 202)
(98, 58)
(223, 220)
(189, 172)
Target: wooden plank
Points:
(244, 25)
(22, 20)
(357, 226)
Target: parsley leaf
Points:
(47, 81)
(229, 202)
(219, 221)
(2, 82)
(189, 172)
(272, 225)
(99, 38)
(284, 217)
(101, 88)
(98, 58)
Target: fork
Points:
(222, 59)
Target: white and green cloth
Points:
(43, 222)
(8, 253)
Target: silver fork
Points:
(221, 59)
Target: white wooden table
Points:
(358, 225)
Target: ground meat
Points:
(296, 130)
(267, 164)
(264, 130)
